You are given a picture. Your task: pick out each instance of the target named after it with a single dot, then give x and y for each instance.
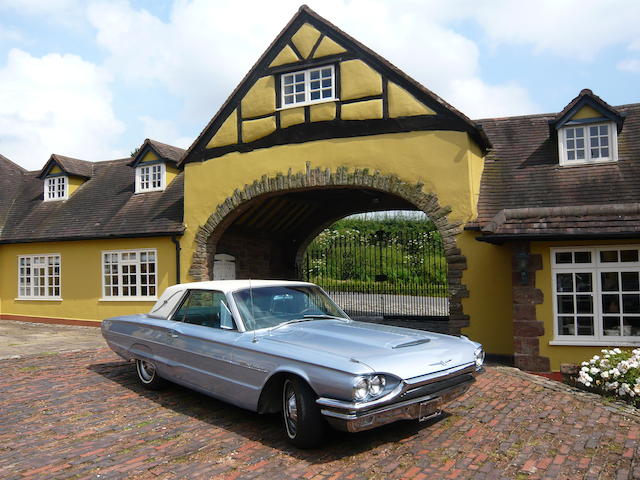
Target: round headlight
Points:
(376, 385)
(479, 354)
(360, 388)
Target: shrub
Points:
(616, 372)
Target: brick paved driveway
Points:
(82, 415)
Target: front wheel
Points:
(148, 375)
(303, 422)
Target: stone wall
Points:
(527, 329)
(209, 234)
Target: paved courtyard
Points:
(81, 415)
(18, 339)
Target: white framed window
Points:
(56, 188)
(39, 277)
(150, 178)
(307, 86)
(596, 294)
(588, 143)
(129, 275)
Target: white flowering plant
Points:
(615, 372)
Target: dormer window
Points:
(587, 131)
(56, 188)
(588, 143)
(308, 86)
(150, 178)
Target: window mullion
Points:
(597, 304)
(46, 275)
(138, 279)
(307, 85)
(31, 278)
(120, 276)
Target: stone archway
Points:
(317, 178)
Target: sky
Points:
(92, 79)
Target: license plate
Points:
(428, 409)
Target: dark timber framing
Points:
(309, 131)
(447, 117)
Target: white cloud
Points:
(475, 98)
(55, 102)
(578, 29)
(11, 35)
(165, 131)
(630, 65)
(67, 13)
(199, 56)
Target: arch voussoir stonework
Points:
(342, 177)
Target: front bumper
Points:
(420, 399)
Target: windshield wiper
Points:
(307, 318)
(289, 322)
(322, 315)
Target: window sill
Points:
(570, 163)
(128, 299)
(150, 190)
(38, 299)
(306, 104)
(596, 343)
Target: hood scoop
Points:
(412, 344)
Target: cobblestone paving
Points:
(82, 415)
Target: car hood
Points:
(403, 352)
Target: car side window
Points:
(207, 308)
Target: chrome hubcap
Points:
(290, 409)
(147, 371)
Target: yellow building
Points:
(321, 128)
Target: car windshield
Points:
(265, 307)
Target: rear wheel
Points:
(148, 375)
(303, 422)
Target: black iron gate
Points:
(399, 275)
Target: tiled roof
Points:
(74, 166)
(522, 171)
(10, 181)
(582, 220)
(168, 152)
(104, 206)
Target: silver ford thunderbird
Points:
(277, 346)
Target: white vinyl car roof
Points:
(169, 300)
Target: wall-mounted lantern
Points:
(522, 267)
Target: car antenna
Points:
(252, 312)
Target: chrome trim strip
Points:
(399, 405)
(441, 375)
(412, 344)
(342, 405)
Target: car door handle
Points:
(173, 334)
